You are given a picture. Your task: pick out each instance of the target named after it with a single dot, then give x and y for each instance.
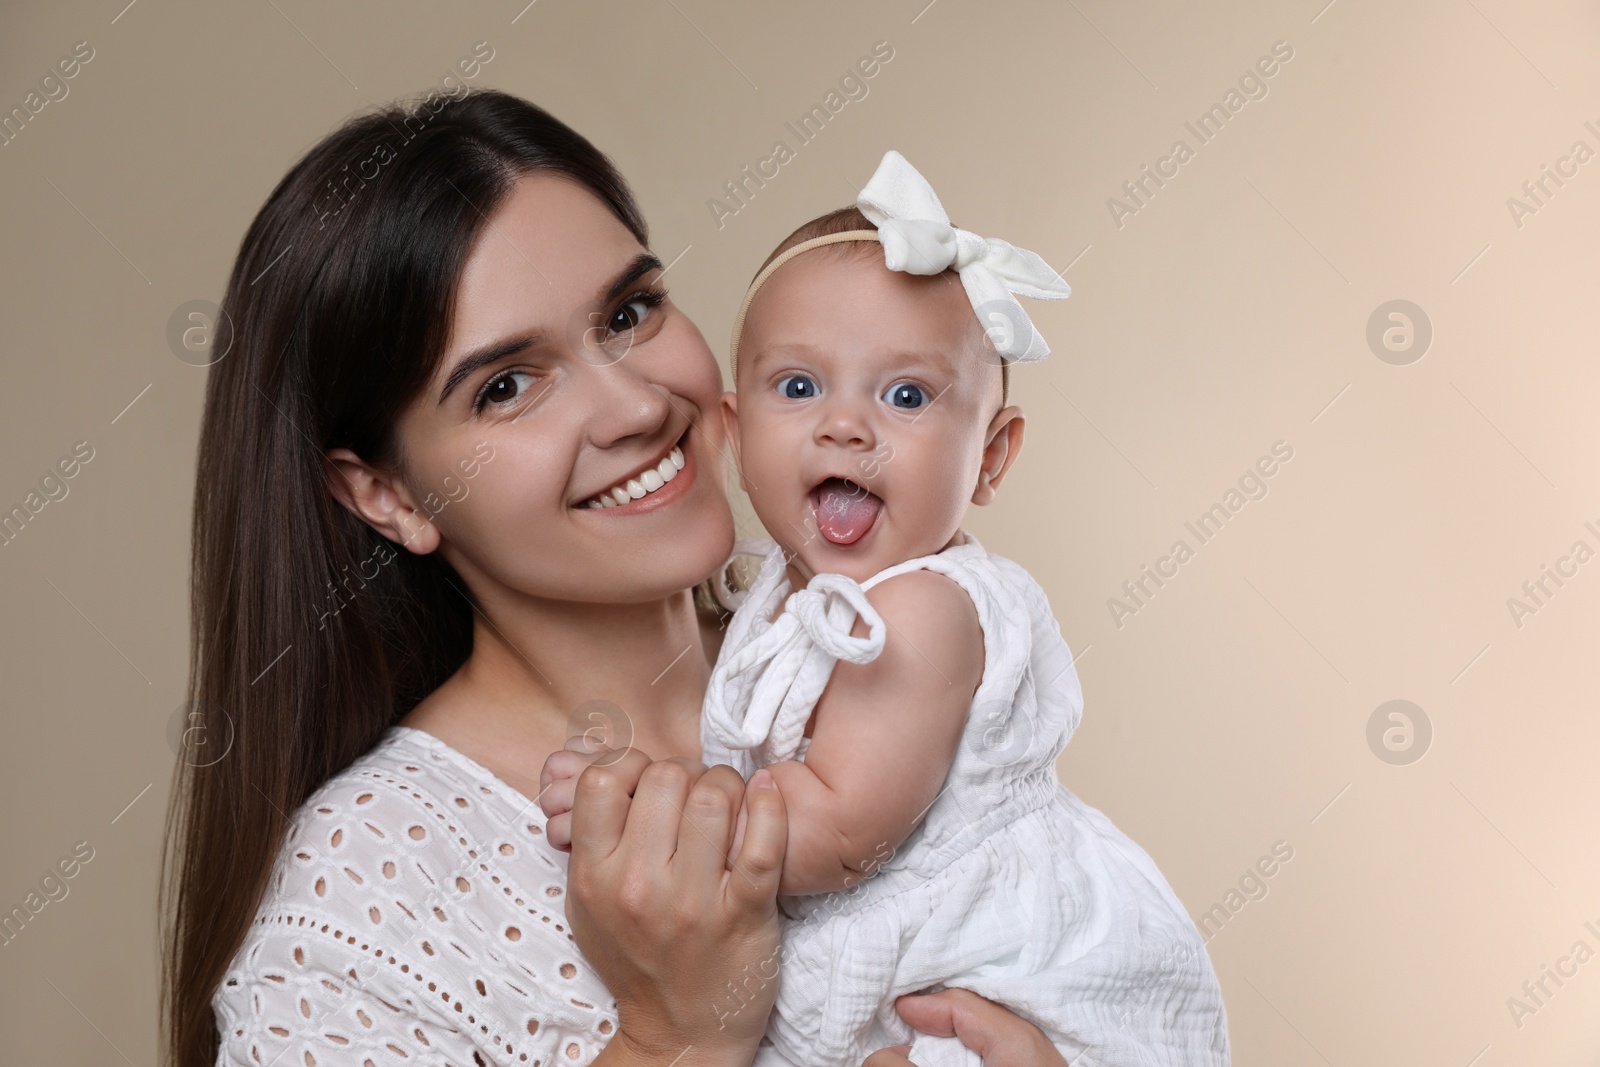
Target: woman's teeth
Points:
(643, 485)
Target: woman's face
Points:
(567, 376)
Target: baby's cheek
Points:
(941, 485)
(769, 465)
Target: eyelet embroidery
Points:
(413, 843)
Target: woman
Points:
(448, 340)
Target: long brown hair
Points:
(336, 313)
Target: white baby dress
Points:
(1010, 886)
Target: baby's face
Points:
(867, 413)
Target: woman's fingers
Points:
(658, 810)
(706, 833)
(759, 861)
(653, 906)
(933, 1013)
(893, 1056)
(999, 1036)
(601, 804)
(558, 779)
(738, 834)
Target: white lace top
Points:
(415, 915)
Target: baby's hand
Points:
(558, 784)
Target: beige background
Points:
(1229, 313)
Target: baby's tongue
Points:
(845, 511)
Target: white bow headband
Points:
(917, 238)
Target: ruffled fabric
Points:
(1011, 886)
(765, 691)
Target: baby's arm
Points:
(883, 736)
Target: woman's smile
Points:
(655, 484)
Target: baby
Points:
(930, 842)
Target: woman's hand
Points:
(683, 935)
(1002, 1038)
(558, 784)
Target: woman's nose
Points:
(624, 403)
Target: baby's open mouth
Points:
(844, 510)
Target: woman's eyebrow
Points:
(485, 355)
(637, 268)
(495, 351)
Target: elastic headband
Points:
(917, 238)
(766, 272)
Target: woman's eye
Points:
(504, 388)
(905, 396)
(797, 387)
(630, 315)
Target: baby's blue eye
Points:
(797, 387)
(904, 396)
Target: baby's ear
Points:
(1002, 445)
(730, 430)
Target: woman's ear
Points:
(730, 430)
(1000, 450)
(379, 499)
